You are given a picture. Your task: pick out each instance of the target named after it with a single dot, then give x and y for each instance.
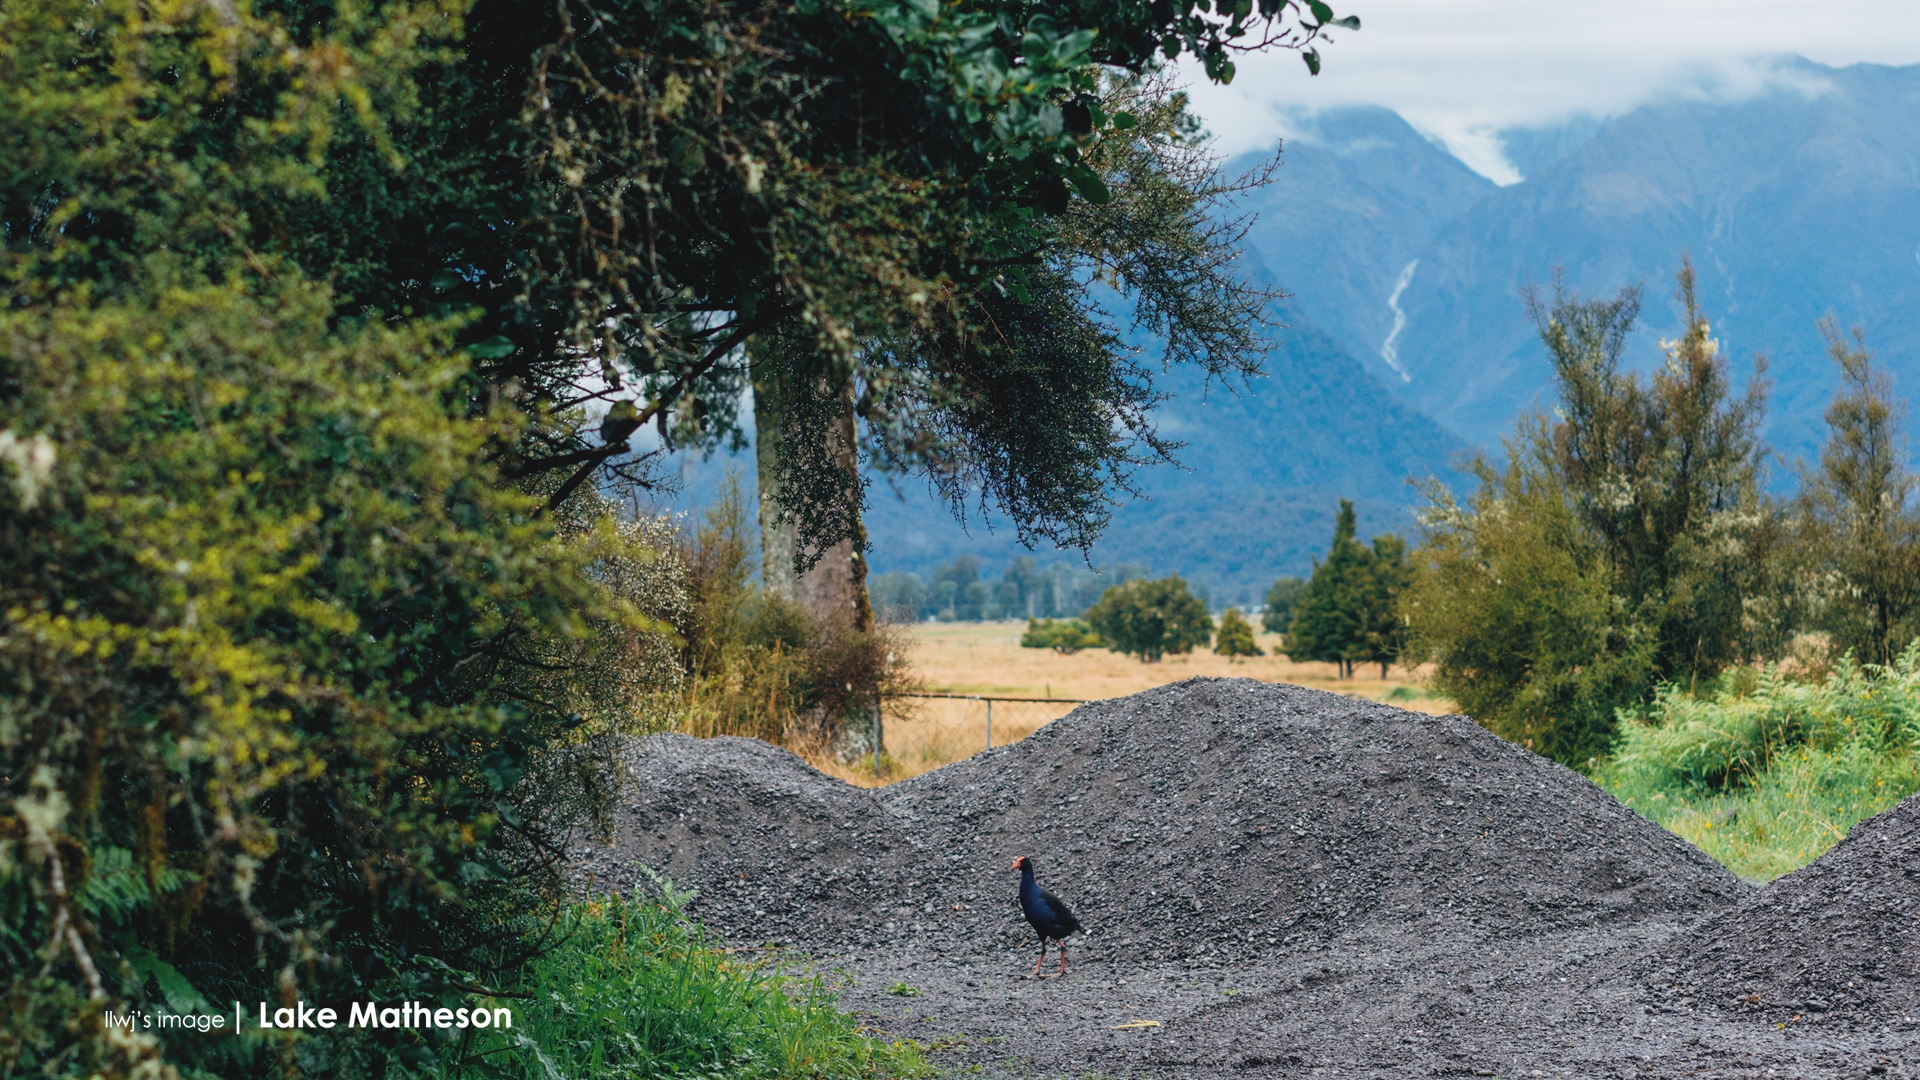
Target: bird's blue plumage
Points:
(1049, 917)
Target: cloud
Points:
(1462, 70)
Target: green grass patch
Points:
(638, 990)
(1766, 777)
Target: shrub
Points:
(1624, 543)
(1235, 637)
(1766, 778)
(1066, 636)
(758, 664)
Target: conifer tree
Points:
(1382, 627)
(1235, 637)
(1329, 620)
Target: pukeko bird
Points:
(1047, 913)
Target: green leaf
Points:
(447, 279)
(1312, 57)
(493, 348)
(180, 994)
(1351, 22)
(1125, 121)
(1321, 11)
(1089, 185)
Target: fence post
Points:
(989, 723)
(876, 741)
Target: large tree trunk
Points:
(835, 589)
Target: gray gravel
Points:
(1290, 883)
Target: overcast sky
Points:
(1461, 69)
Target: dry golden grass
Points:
(965, 659)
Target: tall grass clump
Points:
(1768, 775)
(759, 664)
(635, 989)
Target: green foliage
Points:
(1235, 637)
(1347, 614)
(267, 587)
(1149, 619)
(1860, 527)
(1765, 778)
(284, 656)
(759, 664)
(1624, 544)
(1280, 600)
(878, 198)
(636, 989)
(1066, 637)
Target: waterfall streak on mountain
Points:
(1387, 351)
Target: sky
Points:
(1461, 70)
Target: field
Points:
(986, 660)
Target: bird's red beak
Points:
(1016, 864)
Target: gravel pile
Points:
(1832, 943)
(1278, 882)
(1212, 819)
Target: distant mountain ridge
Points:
(1801, 200)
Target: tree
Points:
(1623, 545)
(1863, 523)
(1381, 624)
(1329, 621)
(909, 203)
(302, 678)
(1281, 596)
(1066, 636)
(898, 597)
(1149, 619)
(1235, 637)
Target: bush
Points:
(1066, 637)
(636, 989)
(1767, 778)
(1149, 619)
(760, 665)
(1235, 637)
(1624, 543)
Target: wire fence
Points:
(924, 731)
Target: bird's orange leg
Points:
(1038, 960)
(1063, 959)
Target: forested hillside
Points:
(1800, 201)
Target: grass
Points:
(1786, 819)
(637, 990)
(1766, 778)
(986, 659)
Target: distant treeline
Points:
(957, 591)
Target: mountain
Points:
(1358, 196)
(1531, 149)
(1259, 479)
(1801, 200)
